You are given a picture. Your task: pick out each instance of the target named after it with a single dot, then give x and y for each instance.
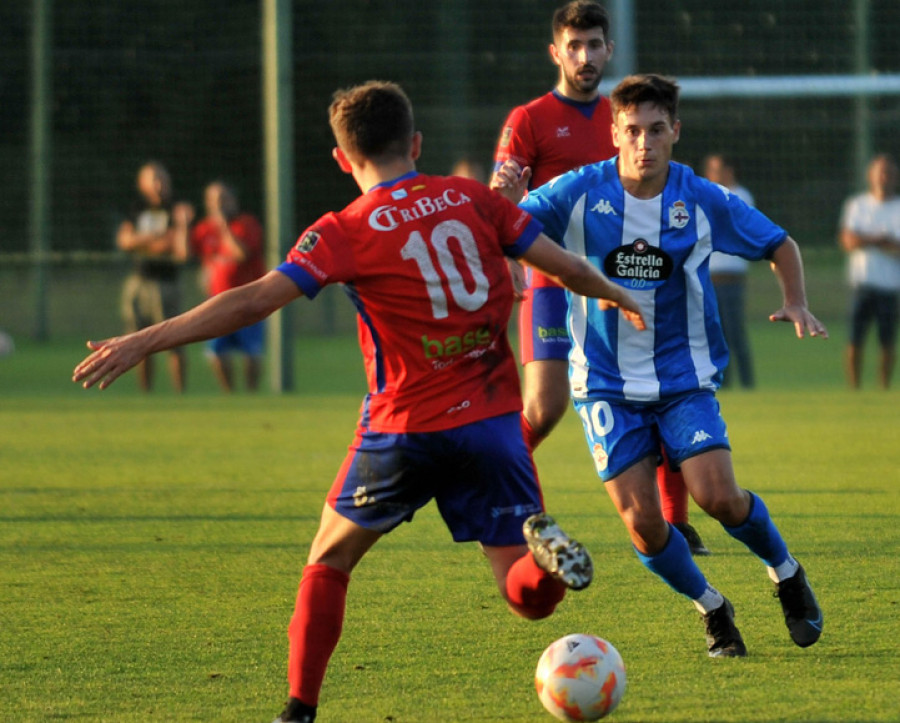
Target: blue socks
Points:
(675, 565)
(759, 533)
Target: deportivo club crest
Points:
(678, 215)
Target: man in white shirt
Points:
(870, 234)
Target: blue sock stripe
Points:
(675, 565)
(760, 535)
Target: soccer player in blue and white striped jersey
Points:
(650, 224)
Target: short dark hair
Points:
(648, 88)
(581, 15)
(373, 120)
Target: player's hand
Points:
(802, 319)
(626, 303)
(519, 282)
(511, 180)
(110, 359)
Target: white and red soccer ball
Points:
(580, 678)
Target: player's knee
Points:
(729, 508)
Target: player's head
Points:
(154, 183)
(581, 47)
(220, 198)
(882, 175)
(645, 126)
(372, 122)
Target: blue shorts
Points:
(543, 333)
(481, 476)
(250, 341)
(621, 435)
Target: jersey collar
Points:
(586, 109)
(394, 181)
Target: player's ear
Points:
(610, 47)
(416, 146)
(341, 158)
(554, 53)
(676, 128)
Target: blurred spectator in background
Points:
(870, 234)
(729, 277)
(229, 245)
(467, 168)
(151, 292)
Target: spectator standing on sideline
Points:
(442, 418)
(568, 127)
(151, 291)
(229, 244)
(870, 234)
(651, 224)
(465, 167)
(729, 278)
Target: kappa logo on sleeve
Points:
(308, 242)
(507, 135)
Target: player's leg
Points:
(316, 625)
(709, 475)
(664, 551)
(544, 344)
(375, 489)
(545, 396)
(497, 501)
(673, 495)
(624, 444)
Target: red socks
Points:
(673, 493)
(315, 629)
(531, 589)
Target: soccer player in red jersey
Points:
(423, 259)
(568, 127)
(229, 244)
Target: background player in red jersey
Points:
(229, 244)
(568, 127)
(423, 259)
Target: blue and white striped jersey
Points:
(659, 250)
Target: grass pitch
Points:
(150, 549)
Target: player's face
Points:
(644, 136)
(581, 56)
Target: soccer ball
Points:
(580, 677)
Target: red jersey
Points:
(423, 259)
(224, 272)
(553, 134)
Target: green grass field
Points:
(150, 549)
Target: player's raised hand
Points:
(802, 319)
(110, 359)
(511, 180)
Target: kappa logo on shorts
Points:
(700, 435)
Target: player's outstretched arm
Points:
(218, 316)
(579, 275)
(787, 265)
